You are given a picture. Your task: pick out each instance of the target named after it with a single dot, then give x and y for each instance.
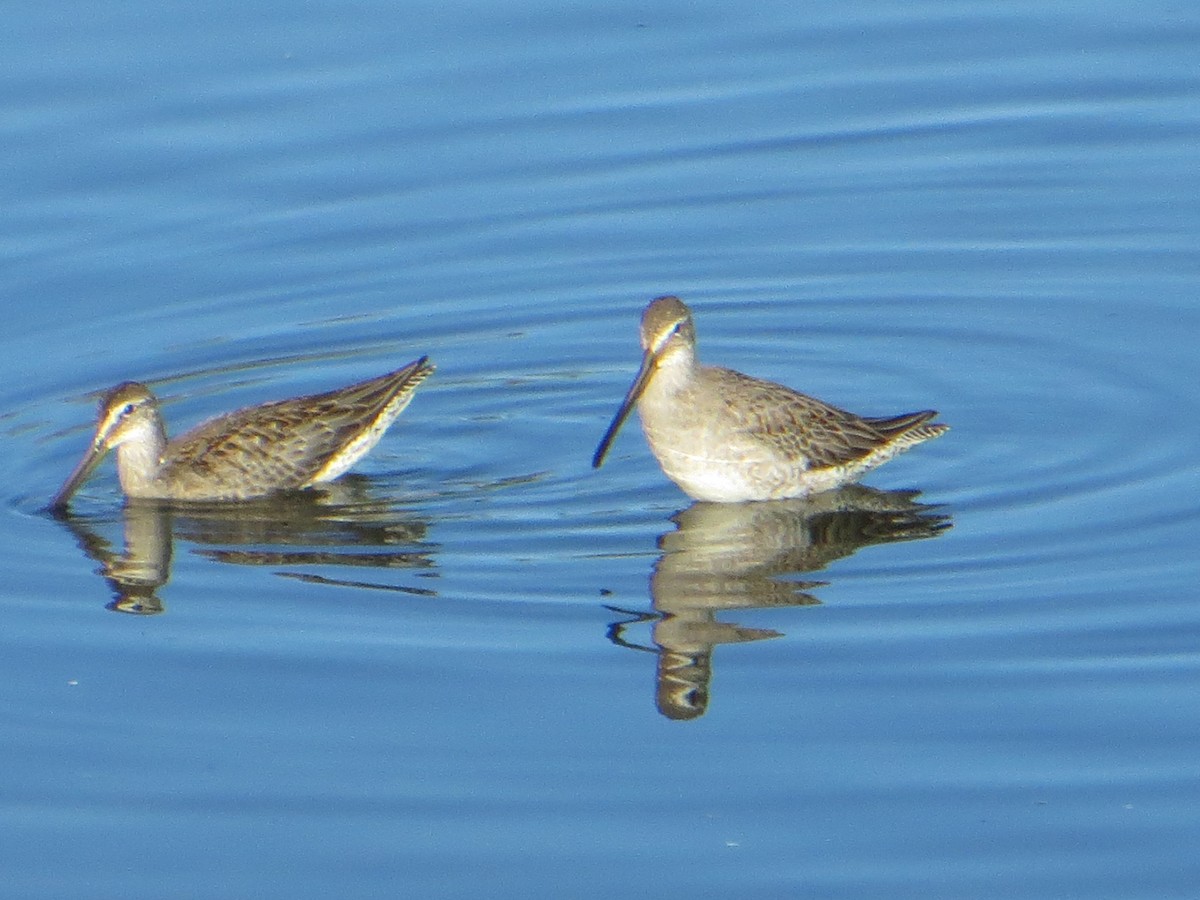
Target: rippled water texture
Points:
(477, 667)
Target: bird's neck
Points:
(140, 458)
(675, 372)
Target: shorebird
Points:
(285, 445)
(726, 437)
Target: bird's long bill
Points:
(90, 460)
(631, 398)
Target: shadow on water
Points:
(727, 556)
(329, 527)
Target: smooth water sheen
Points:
(477, 667)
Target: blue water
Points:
(477, 667)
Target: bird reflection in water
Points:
(137, 569)
(727, 556)
(338, 525)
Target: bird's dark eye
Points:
(128, 409)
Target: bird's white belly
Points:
(723, 471)
(732, 468)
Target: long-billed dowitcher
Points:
(285, 445)
(726, 437)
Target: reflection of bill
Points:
(727, 556)
(337, 525)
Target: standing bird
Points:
(726, 437)
(285, 445)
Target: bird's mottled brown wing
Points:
(266, 445)
(283, 444)
(794, 424)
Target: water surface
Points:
(478, 666)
